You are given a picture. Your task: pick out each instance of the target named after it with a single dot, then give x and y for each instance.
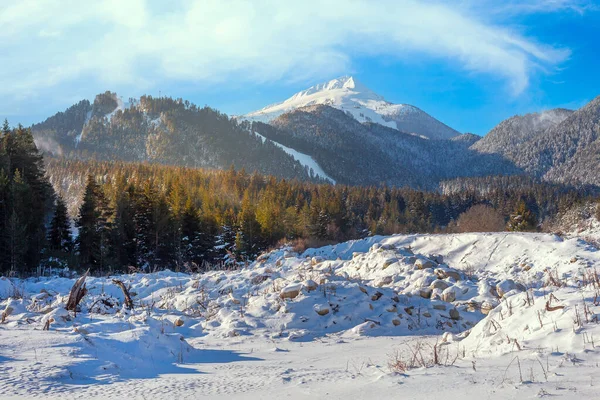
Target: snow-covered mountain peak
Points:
(346, 85)
(351, 96)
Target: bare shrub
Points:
(552, 278)
(16, 291)
(480, 218)
(421, 355)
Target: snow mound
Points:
(490, 293)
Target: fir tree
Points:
(94, 228)
(248, 239)
(123, 232)
(5, 127)
(522, 219)
(59, 237)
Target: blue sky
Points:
(469, 63)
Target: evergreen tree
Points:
(319, 220)
(5, 128)
(522, 219)
(123, 233)
(248, 239)
(192, 251)
(153, 222)
(59, 237)
(269, 216)
(25, 201)
(94, 228)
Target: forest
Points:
(146, 217)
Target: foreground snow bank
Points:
(491, 293)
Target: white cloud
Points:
(130, 42)
(539, 6)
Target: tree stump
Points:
(77, 292)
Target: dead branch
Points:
(128, 301)
(550, 308)
(553, 308)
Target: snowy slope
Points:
(354, 98)
(302, 158)
(121, 106)
(510, 315)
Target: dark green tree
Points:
(59, 238)
(94, 228)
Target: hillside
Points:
(325, 142)
(369, 153)
(557, 145)
(161, 130)
(511, 133)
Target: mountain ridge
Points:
(557, 145)
(323, 143)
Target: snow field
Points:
(506, 313)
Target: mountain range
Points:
(338, 132)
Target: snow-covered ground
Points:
(420, 316)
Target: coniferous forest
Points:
(139, 216)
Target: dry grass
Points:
(552, 278)
(421, 355)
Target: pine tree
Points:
(143, 227)
(123, 233)
(192, 250)
(94, 228)
(162, 239)
(319, 221)
(249, 234)
(153, 221)
(59, 237)
(17, 223)
(27, 199)
(5, 128)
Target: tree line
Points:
(119, 216)
(149, 216)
